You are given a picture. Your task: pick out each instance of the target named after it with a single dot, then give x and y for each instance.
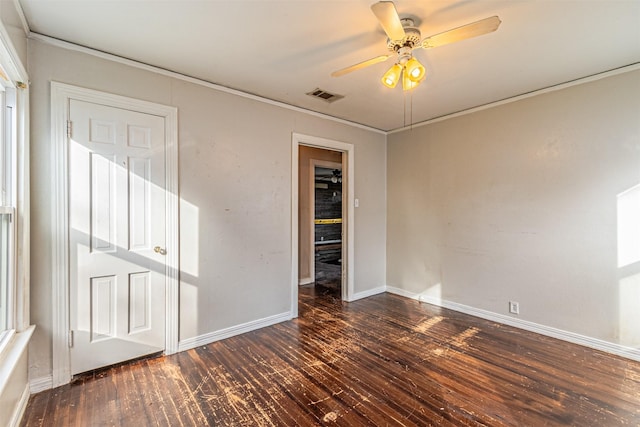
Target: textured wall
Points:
(235, 194)
(524, 202)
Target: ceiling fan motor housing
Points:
(411, 39)
(404, 54)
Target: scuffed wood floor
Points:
(384, 360)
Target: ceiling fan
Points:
(326, 174)
(404, 37)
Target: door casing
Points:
(348, 162)
(61, 94)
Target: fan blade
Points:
(387, 14)
(468, 31)
(360, 65)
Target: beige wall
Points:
(306, 154)
(13, 25)
(235, 194)
(522, 202)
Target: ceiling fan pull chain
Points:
(404, 107)
(411, 112)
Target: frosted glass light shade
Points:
(407, 83)
(392, 76)
(414, 70)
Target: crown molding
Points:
(554, 88)
(168, 73)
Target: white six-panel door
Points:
(116, 235)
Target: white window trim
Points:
(12, 292)
(19, 207)
(14, 341)
(5, 338)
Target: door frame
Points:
(61, 94)
(348, 228)
(312, 211)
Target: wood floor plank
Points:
(381, 361)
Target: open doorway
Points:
(326, 217)
(320, 225)
(322, 244)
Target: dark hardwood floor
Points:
(328, 275)
(384, 360)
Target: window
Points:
(7, 210)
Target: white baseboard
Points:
(45, 383)
(37, 385)
(18, 413)
(617, 349)
(402, 293)
(305, 281)
(368, 293)
(210, 337)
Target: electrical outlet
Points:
(514, 307)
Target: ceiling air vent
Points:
(324, 95)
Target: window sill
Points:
(13, 348)
(5, 339)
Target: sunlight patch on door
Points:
(103, 214)
(103, 299)
(139, 203)
(139, 302)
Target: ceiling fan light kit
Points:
(403, 38)
(391, 78)
(412, 73)
(415, 70)
(407, 68)
(407, 83)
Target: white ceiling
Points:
(282, 49)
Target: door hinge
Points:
(70, 339)
(69, 128)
